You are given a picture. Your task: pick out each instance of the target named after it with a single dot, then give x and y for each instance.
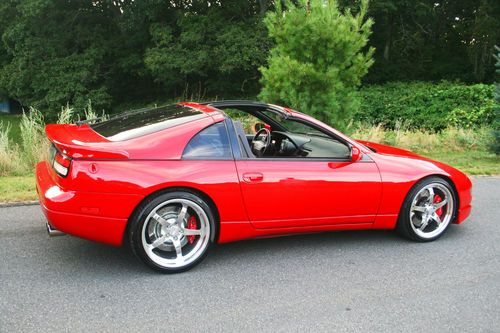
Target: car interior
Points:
(264, 132)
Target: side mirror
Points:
(356, 154)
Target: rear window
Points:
(134, 124)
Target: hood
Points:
(408, 160)
(389, 150)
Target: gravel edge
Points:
(18, 203)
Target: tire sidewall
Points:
(139, 218)
(404, 223)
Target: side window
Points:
(210, 143)
(247, 120)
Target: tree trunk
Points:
(263, 4)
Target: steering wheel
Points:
(260, 144)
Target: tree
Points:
(318, 59)
(213, 47)
(58, 52)
(433, 39)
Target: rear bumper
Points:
(65, 210)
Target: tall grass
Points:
(35, 146)
(66, 116)
(20, 158)
(451, 139)
(90, 115)
(9, 152)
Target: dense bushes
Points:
(427, 106)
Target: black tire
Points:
(142, 215)
(410, 229)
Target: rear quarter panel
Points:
(140, 178)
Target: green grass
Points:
(471, 162)
(14, 189)
(14, 121)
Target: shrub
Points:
(427, 106)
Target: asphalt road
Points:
(365, 281)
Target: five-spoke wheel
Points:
(428, 210)
(172, 232)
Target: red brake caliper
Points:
(191, 224)
(437, 199)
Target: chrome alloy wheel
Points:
(175, 233)
(431, 210)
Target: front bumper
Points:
(463, 213)
(464, 188)
(64, 210)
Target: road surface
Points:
(364, 281)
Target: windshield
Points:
(292, 125)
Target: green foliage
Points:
(318, 58)
(19, 153)
(129, 52)
(13, 122)
(66, 116)
(34, 143)
(428, 106)
(211, 50)
(433, 40)
(55, 52)
(6, 163)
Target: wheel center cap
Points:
(173, 231)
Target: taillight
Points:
(60, 162)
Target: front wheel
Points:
(172, 232)
(428, 210)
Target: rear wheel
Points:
(172, 232)
(428, 210)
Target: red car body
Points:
(107, 180)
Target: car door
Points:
(280, 193)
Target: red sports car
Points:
(174, 180)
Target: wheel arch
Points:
(174, 188)
(450, 182)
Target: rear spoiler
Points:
(81, 142)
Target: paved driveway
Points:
(365, 281)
